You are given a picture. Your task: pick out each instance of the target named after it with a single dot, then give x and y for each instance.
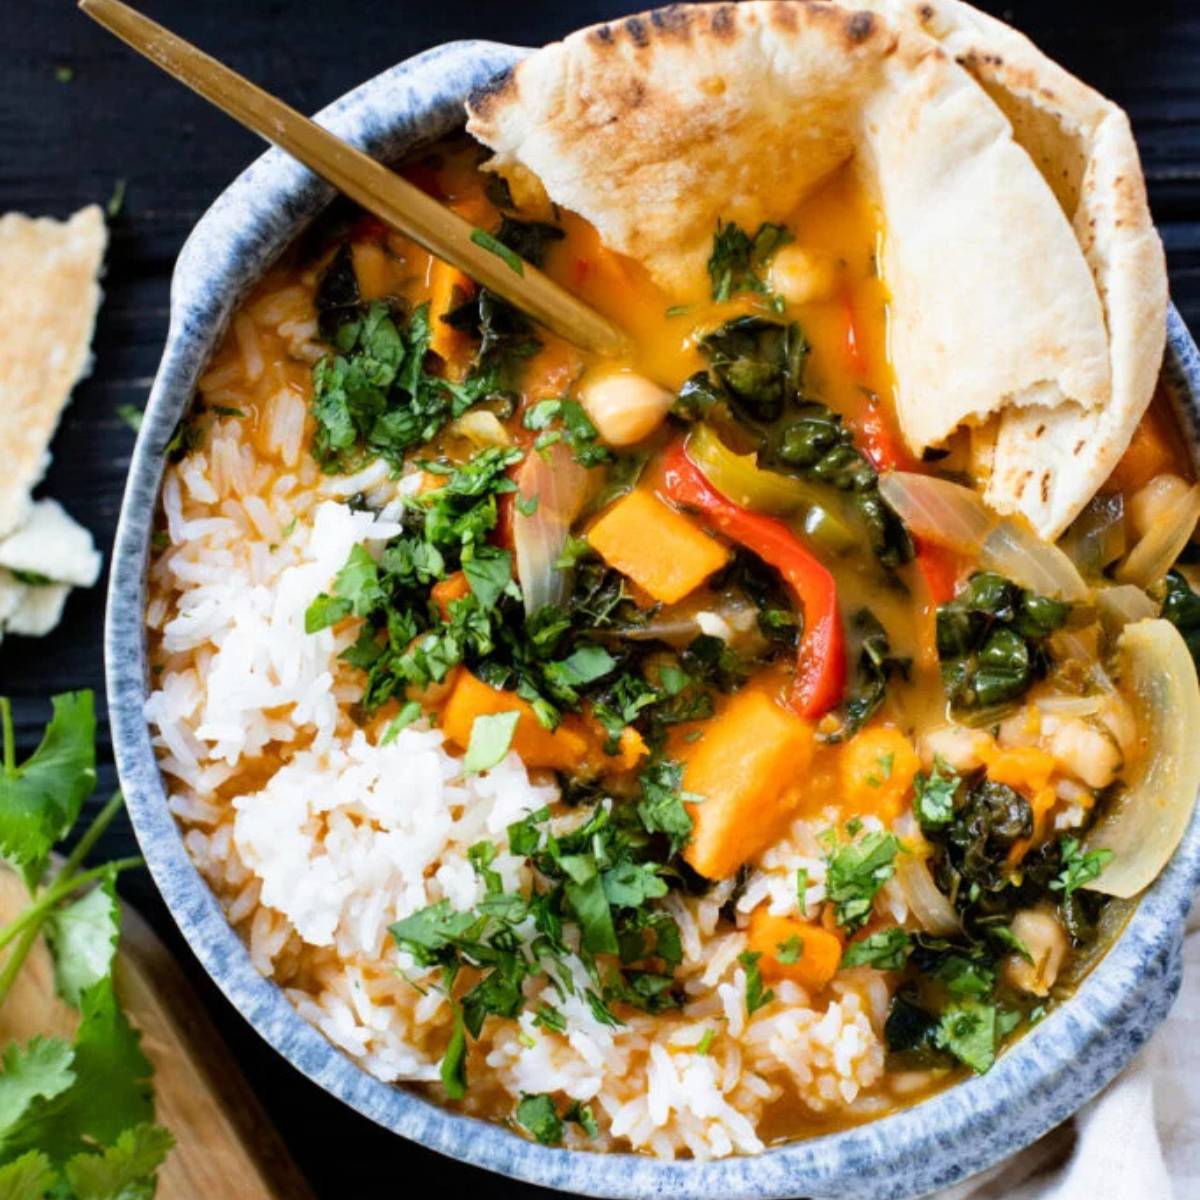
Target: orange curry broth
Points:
(848, 368)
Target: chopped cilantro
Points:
(453, 1068)
(886, 950)
(790, 951)
(737, 259)
(662, 807)
(855, 874)
(706, 1040)
(582, 1115)
(802, 889)
(116, 201)
(756, 997)
(410, 712)
(494, 245)
(968, 1030)
(933, 799)
(526, 506)
(1079, 867)
(491, 737)
(131, 416)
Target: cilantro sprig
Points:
(76, 1118)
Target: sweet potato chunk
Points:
(748, 767)
(877, 770)
(810, 953)
(448, 288)
(661, 550)
(561, 749)
(576, 745)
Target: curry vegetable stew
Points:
(734, 743)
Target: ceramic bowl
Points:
(1040, 1081)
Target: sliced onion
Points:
(561, 487)
(928, 904)
(1096, 537)
(1070, 706)
(1145, 824)
(938, 511)
(1123, 604)
(1156, 552)
(481, 428)
(1013, 550)
(679, 624)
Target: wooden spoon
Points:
(367, 182)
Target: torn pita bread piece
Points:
(49, 296)
(1048, 462)
(52, 545)
(1003, 293)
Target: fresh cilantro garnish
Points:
(40, 799)
(661, 807)
(491, 736)
(493, 245)
(574, 426)
(756, 996)
(737, 259)
(855, 874)
(76, 1118)
(968, 1031)
(538, 1116)
(886, 950)
(791, 950)
(409, 712)
(131, 416)
(582, 1115)
(453, 1068)
(802, 889)
(1079, 867)
(706, 1040)
(933, 801)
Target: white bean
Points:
(1044, 937)
(624, 407)
(955, 745)
(1088, 750)
(800, 276)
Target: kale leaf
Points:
(991, 641)
(876, 666)
(757, 371)
(738, 260)
(1181, 606)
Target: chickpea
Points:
(624, 407)
(1044, 937)
(1087, 749)
(1151, 502)
(800, 276)
(958, 747)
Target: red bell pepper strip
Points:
(821, 666)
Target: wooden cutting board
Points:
(225, 1146)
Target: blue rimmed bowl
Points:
(1036, 1084)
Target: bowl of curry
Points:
(666, 775)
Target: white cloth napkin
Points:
(1138, 1140)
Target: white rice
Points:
(315, 839)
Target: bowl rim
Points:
(1035, 1084)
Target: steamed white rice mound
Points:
(315, 839)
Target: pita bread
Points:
(49, 295)
(51, 543)
(1048, 463)
(654, 127)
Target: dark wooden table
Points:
(79, 112)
